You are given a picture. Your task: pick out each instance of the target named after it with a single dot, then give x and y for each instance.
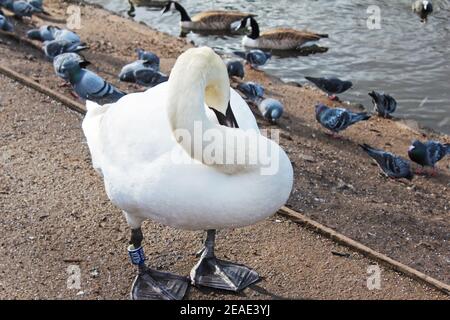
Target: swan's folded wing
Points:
(135, 128)
(244, 116)
(91, 128)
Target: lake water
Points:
(404, 57)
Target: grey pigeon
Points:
(429, 153)
(383, 103)
(255, 57)
(252, 91)
(235, 69)
(38, 4)
(423, 8)
(89, 85)
(331, 86)
(20, 8)
(151, 58)
(55, 47)
(44, 33)
(338, 119)
(65, 34)
(146, 77)
(48, 33)
(5, 25)
(271, 109)
(61, 60)
(126, 74)
(393, 166)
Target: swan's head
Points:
(199, 77)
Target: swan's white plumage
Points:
(132, 145)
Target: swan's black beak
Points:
(226, 119)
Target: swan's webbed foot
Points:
(152, 284)
(219, 274)
(156, 285)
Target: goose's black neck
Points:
(254, 29)
(182, 11)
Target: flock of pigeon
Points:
(62, 47)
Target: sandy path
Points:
(54, 209)
(335, 184)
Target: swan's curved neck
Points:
(199, 78)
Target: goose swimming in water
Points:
(144, 3)
(214, 20)
(277, 39)
(143, 147)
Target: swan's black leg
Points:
(215, 273)
(151, 284)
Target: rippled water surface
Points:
(406, 58)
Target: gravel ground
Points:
(54, 214)
(43, 156)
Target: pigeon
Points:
(383, 103)
(429, 153)
(88, 85)
(5, 25)
(331, 86)
(393, 166)
(38, 4)
(338, 119)
(271, 109)
(151, 58)
(254, 57)
(55, 47)
(252, 91)
(44, 33)
(235, 69)
(65, 34)
(138, 72)
(423, 8)
(62, 59)
(20, 8)
(128, 69)
(49, 33)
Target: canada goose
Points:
(166, 178)
(144, 3)
(277, 39)
(215, 20)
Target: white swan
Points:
(150, 175)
